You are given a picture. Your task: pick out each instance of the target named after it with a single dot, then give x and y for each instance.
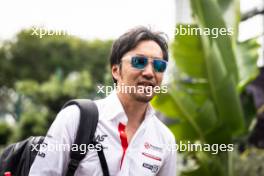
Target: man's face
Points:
(142, 79)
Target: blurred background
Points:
(216, 85)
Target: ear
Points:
(116, 71)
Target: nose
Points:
(148, 71)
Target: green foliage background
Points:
(38, 75)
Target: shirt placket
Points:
(126, 164)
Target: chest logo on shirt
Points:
(152, 147)
(153, 168)
(100, 138)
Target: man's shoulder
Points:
(68, 114)
(70, 110)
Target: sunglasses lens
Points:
(139, 62)
(159, 65)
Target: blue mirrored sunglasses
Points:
(140, 62)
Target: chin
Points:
(143, 97)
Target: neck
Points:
(134, 110)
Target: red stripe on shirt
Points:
(123, 138)
(151, 156)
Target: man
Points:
(135, 141)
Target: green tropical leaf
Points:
(209, 15)
(247, 56)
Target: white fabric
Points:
(148, 152)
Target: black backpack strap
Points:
(85, 134)
(102, 160)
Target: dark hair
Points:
(131, 39)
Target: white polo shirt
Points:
(149, 152)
